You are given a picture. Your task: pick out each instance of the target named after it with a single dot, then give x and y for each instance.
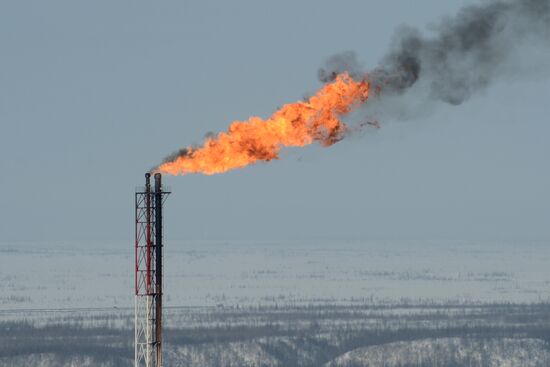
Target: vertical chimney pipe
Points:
(158, 258)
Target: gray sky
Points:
(93, 94)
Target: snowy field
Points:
(281, 304)
(199, 273)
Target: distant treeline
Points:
(270, 336)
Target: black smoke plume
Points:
(467, 52)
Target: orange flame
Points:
(294, 125)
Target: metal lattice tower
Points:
(148, 273)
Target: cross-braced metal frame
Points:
(148, 273)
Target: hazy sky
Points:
(94, 93)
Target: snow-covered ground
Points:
(450, 352)
(429, 335)
(213, 273)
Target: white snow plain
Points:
(59, 275)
